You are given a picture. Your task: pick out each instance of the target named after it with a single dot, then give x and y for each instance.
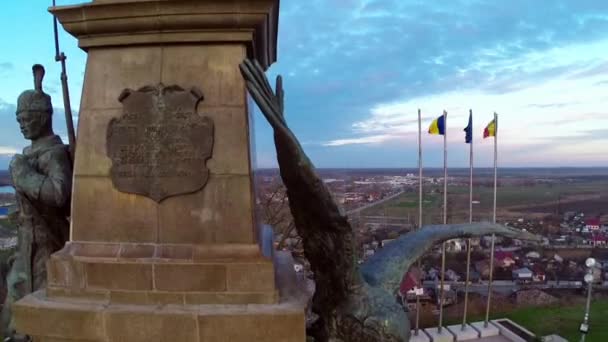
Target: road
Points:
(369, 205)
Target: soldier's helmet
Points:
(35, 99)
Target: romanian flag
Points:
(490, 130)
(438, 126)
(469, 130)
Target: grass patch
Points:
(563, 320)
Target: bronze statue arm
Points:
(387, 266)
(55, 189)
(53, 186)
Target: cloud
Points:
(7, 150)
(357, 71)
(374, 139)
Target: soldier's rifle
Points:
(61, 57)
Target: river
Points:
(6, 189)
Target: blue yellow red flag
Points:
(438, 126)
(490, 130)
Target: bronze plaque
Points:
(160, 145)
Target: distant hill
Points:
(550, 172)
(5, 178)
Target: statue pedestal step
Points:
(131, 273)
(490, 330)
(463, 335)
(421, 337)
(98, 320)
(443, 336)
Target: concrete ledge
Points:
(508, 333)
(490, 330)
(422, 336)
(444, 336)
(463, 335)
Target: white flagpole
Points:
(493, 221)
(445, 215)
(466, 286)
(419, 209)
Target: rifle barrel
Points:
(60, 57)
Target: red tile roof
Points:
(410, 280)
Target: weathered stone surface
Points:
(251, 24)
(91, 157)
(38, 317)
(219, 78)
(150, 326)
(250, 277)
(269, 297)
(119, 276)
(121, 320)
(110, 70)
(160, 145)
(231, 149)
(187, 277)
(222, 213)
(101, 213)
(261, 327)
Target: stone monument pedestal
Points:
(165, 244)
(48, 316)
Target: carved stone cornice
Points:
(144, 22)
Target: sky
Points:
(357, 71)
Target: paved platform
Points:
(422, 336)
(466, 334)
(490, 330)
(444, 336)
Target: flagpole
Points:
(493, 220)
(419, 210)
(445, 215)
(466, 286)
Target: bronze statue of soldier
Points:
(42, 177)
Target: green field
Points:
(563, 320)
(540, 198)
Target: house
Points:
(533, 255)
(592, 224)
(504, 259)
(483, 268)
(538, 274)
(411, 284)
(455, 245)
(433, 274)
(599, 239)
(451, 275)
(522, 275)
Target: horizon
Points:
(354, 105)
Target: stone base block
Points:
(54, 319)
(421, 337)
(490, 330)
(468, 333)
(444, 336)
(129, 273)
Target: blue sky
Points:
(356, 71)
